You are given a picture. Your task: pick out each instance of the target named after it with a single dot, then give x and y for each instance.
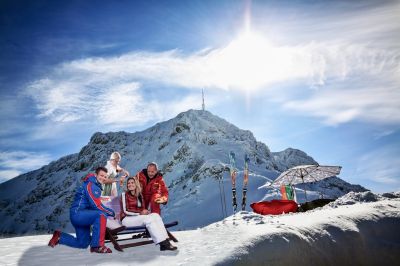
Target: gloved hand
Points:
(161, 200)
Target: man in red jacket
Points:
(155, 191)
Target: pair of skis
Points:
(233, 172)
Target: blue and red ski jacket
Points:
(88, 197)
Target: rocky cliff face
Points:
(191, 149)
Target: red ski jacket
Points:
(131, 204)
(154, 187)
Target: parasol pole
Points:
(305, 192)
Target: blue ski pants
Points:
(83, 221)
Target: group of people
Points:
(140, 206)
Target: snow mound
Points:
(355, 197)
(391, 195)
(361, 234)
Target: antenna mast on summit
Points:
(203, 105)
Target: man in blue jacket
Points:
(87, 212)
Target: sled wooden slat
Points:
(112, 236)
(136, 244)
(172, 237)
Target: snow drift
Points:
(357, 229)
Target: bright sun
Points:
(249, 62)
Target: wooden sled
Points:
(136, 232)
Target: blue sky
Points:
(320, 76)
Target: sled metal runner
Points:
(112, 235)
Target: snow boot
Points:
(166, 245)
(55, 239)
(102, 249)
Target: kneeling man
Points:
(87, 213)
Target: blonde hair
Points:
(138, 189)
(115, 155)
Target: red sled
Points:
(274, 207)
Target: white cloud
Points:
(14, 163)
(110, 88)
(106, 101)
(340, 105)
(62, 100)
(121, 104)
(380, 166)
(23, 160)
(248, 63)
(383, 133)
(8, 174)
(358, 50)
(357, 72)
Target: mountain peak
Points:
(291, 157)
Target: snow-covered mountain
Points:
(191, 149)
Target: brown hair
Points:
(100, 168)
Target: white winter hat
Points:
(153, 164)
(115, 155)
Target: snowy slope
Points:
(357, 229)
(191, 149)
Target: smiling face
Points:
(101, 176)
(151, 171)
(131, 185)
(115, 162)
